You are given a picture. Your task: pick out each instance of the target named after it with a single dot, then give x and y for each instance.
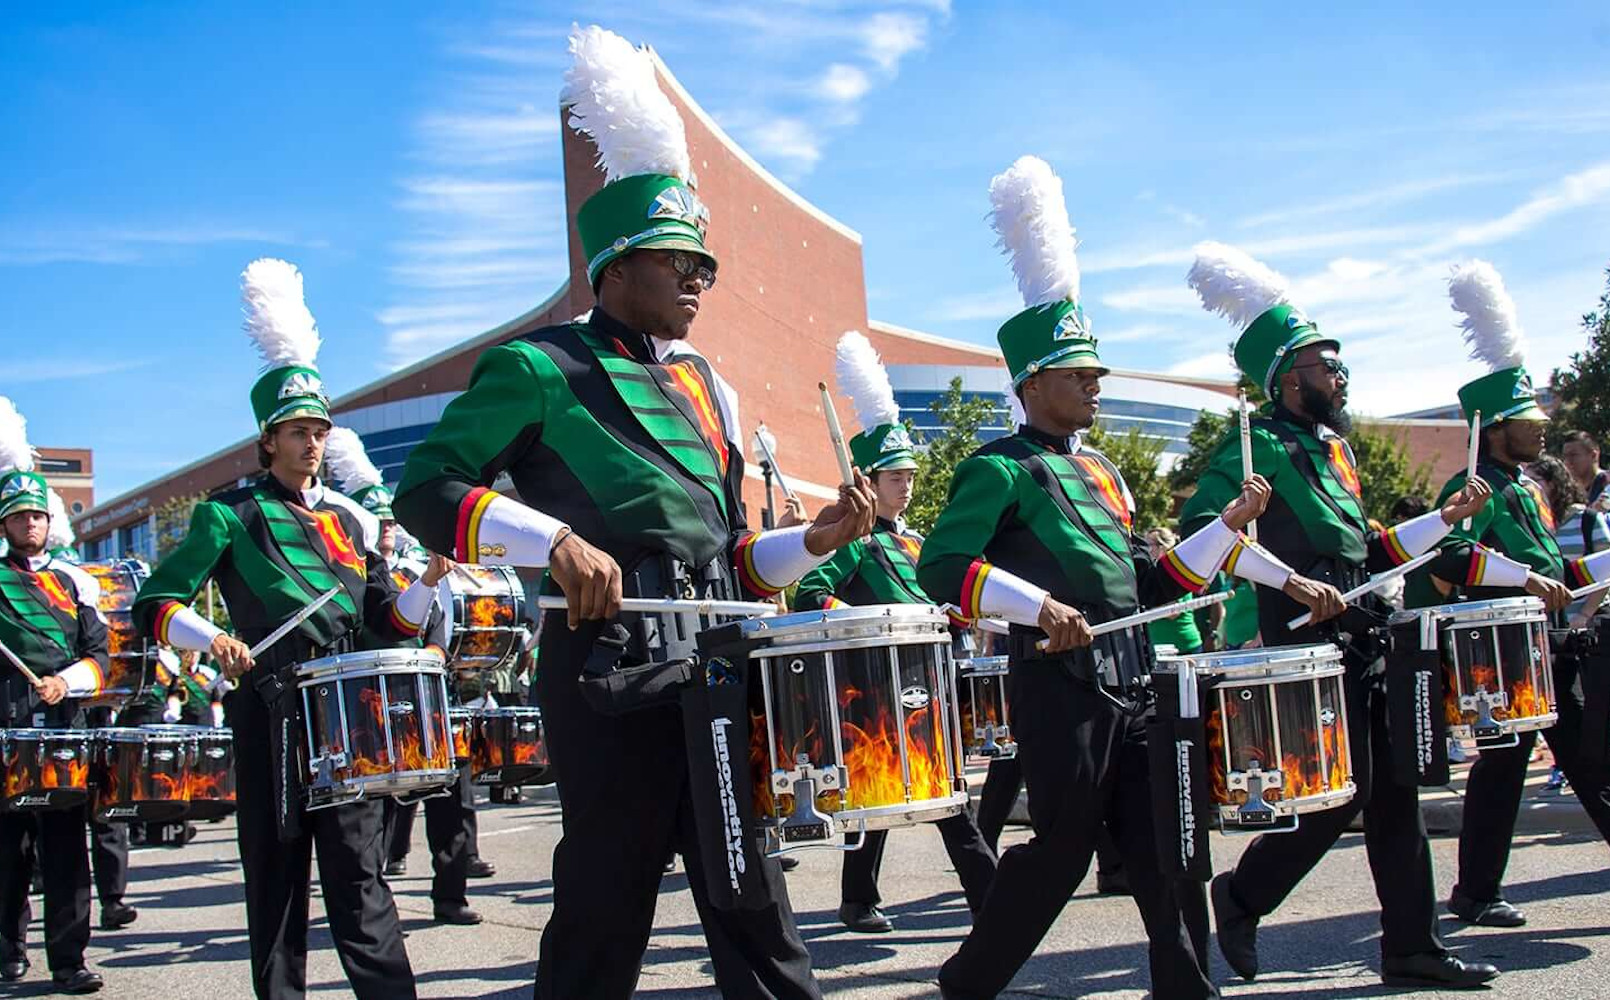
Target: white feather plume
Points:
(615, 98)
(1492, 328)
(1014, 407)
(61, 529)
(277, 317)
(349, 462)
(14, 451)
(861, 376)
(1031, 218)
(1234, 285)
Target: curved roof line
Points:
(743, 154)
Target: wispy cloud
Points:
(1576, 190)
(33, 369)
(132, 244)
(1387, 194)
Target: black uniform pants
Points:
(974, 861)
(624, 795)
(1394, 837)
(1085, 764)
(64, 861)
(361, 912)
(1002, 782)
(1497, 779)
(449, 833)
(109, 860)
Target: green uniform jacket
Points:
(46, 624)
(1057, 519)
(878, 569)
(270, 557)
(634, 453)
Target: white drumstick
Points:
(1592, 588)
(834, 431)
(1151, 615)
(1470, 463)
(1246, 453)
(295, 620)
(22, 668)
(672, 605)
(1373, 583)
(771, 460)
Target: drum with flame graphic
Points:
(130, 658)
(507, 747)
(45, 768)
(981, 696)
(143, 774)
(487, 629)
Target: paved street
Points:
(190, 939)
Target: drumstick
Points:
(836, 432)
(22, 668)
(671, 605)
(771, 460)
(295, 620)
(1246, 453)
(1592, 588)
(474, 580)
(1151, 615)
(1373, 583)
(1470, 464)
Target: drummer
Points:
(53, 625)
(272, 547)
(1038, 530)
(1518, 522)
(882, 569)
(1316, 521)
(623, 445)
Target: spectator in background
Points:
(1581, 454)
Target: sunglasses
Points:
(686, 265)
(1332, 366)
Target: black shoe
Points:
(398, 867)
(1439, 970)
(1112, 883)
(78, 981)
(13, 969)
(788, 864)
(1238, 930)
(457, 914)
(117, 914)
(480, 869)
(1498, 913)
(864, 918)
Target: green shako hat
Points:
(279, 324)
(1253, 296)
(21, 488)
(1492, 329)
(1030, 216)
(354, 474)
(883, 443)
(647, 201)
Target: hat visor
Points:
(1089, 361)
(895, 463)
(1533, 412)
(679, 241)
(24, 503)
(298, 411)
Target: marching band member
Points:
(1518, 522)
(272, 547)
(882, 569)
(54, 625)
(1038, 531)
(1316, 522)
(622, 443)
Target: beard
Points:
(1318, 404)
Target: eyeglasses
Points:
(1332, 366)
(687, 265)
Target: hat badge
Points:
(680, 204)
(1072, 326)
(897, 439)
(302, 384)
(1523, 387)
(18, 486)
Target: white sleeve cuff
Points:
(1416, 535)
(1251, 561)
(185, 629)
(1494, 569)
(1594, 568)
(413, 604)
(83, 678)
(504, 532)
(1194, 560)
(1003, 595)
(768, 561)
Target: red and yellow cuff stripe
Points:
(1478, 566)
(957, 620)
(1578, 572)
(402, 624)
(743, 560)
(972, 596)
(95, 669)
(1187, 577)
(165, 615)
(467, 536)
(1394, 547)
(833, 602)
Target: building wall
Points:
(70, 472)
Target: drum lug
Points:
(804, 821)
(323, 768)
(1255, 811)
(1483, 703)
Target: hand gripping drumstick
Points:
(1470, 465)
(1373, 583)
(671, 605)
(295, 620)
(1246, 453)
(22, 668)
(1151, 615)
(836, 432)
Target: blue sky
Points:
(406, 156)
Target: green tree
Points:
(1204, 437)
(1136, 456)
(1583, 386)
(961, 416)
(1384, 470)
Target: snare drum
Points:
(128, 656)
(212, 773)
(375, 724)
(1277, 732)
(461, 722)
(487, 628)
(1498, 679)
(45, 768)
(142, 774)
(853, 721)
(508, 748)
(981, 697)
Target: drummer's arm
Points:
(1463, 561)
(162, 609)
(952, 568)
(768, 561)
(1398, 544)
(443, 499)
(86, 676)
(818, 587)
